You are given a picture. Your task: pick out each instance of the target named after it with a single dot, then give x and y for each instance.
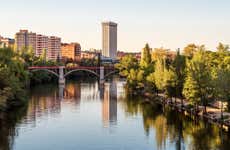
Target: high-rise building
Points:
(71, 51)
(39, 43)
(54, 48)
(109, 39)
(25, 39)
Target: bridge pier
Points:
(61, 75)
(61, 91)
(102, 75)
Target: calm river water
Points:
(85, 116)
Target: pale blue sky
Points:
(167, 23)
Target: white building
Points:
(109, 39)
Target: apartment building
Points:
(71, 51)
(25, 39)
(54, 48)
(41, 44)
(52, 44)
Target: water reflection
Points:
(81, 112)
(109, 104)
(172, 129)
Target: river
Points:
(84, 115)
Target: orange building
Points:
(71, 51)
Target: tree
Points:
(197, 83)
(126, 64)
(179, 65)
(135, 79)
(159, 74)
(222, 48)
(190, 50)
(145, 56)
(223, 85)
(43, 55)
(151, 82)
(170, 83)
(13, 78)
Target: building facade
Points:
(88, 54)
(71, 51)
(54, 48)
(25, 39)
(6, 42)
(39, 43)
(109, 39)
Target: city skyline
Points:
(171, 24)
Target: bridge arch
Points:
(86, 70)
(47, 70)
(111, 73)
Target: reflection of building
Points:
(72, 91)
(71, 51)
(109, 39)
(109, 104)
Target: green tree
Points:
(179, 65)
(145, 56)
(197, 83)
(135, 79)
(126, 64)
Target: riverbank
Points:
(212, 115)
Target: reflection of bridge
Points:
(62, 72)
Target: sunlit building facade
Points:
(54, 48)
(25, 39)
(109, 39)
(39, 43)
(71, 51)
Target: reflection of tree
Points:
(8, 123)
(172, 126)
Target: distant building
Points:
(88, 54)
(109, 39)
(121, 54)
(71, 51)
(6, 42)
(54, 48)
(39, 43)
(25, 39)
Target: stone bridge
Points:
(61, 72)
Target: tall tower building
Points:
(109, 39)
